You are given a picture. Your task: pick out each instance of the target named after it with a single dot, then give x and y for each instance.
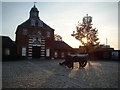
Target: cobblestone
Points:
(49, 74)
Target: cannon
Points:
(70, 59)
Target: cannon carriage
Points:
(70, 59)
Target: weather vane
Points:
(35, 2)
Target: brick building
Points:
(34, 38)
(8, 48)
(62, 49)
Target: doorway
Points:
(36, 52)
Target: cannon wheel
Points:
(83, 63)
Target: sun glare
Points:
(85, 40)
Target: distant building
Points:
(8, 48)
(101, 52)
(80, 50)
(62, 49)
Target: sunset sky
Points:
(63, 17)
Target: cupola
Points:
(34, 13)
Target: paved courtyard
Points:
(49, 74)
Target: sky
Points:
(63, 17)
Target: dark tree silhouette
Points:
(86, 34)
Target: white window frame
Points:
(47, 52)
(7, 51)
(23, 51)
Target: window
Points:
(47, 52)
(40, 24)
(48, 34)
(56, 54)
(62, 54)
(115, 55)
(23, 51)
(24, 31)
(35, 14)
(68, 53)
(32, 22)
(7, 51)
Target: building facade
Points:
(62, 49)
(34, 38)
(8, 48)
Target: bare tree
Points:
(86, 34)
(57, 37)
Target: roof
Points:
(28, 24)
(34, 8)
(7, 42)
(61, 45)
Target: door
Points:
(36, 52)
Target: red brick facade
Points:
(62, 49)
(34, 38)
